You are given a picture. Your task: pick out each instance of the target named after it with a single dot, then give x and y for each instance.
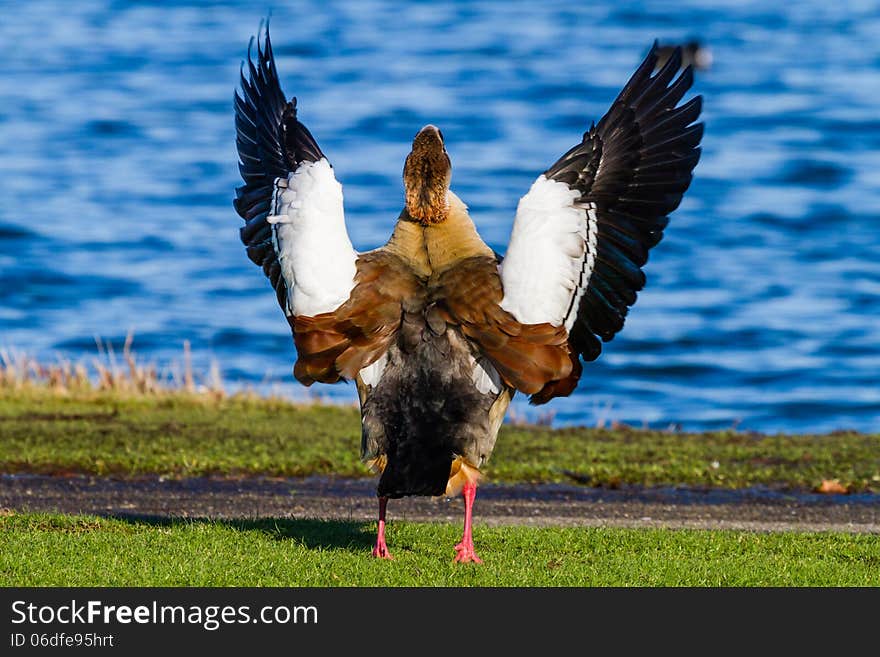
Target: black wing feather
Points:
(633, 167)
(271, 143)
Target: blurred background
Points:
(118, 169)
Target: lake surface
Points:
(118, 165)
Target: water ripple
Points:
(118, 164)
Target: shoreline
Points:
(44, 431)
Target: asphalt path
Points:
(497, 504)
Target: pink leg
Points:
(381, 550)
(465, 550)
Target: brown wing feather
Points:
(337, 345)
(388, 297)
(560, 387)
(527, 356)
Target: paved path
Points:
(354, 499)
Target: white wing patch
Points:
(485, 376)
(371, 374)
(551, 255)
(313, 248)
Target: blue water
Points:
(118, 164)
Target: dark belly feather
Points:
(424, 412)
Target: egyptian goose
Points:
(436, 329)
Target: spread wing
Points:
(290, 201)
(583, 231)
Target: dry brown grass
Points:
(126, 374)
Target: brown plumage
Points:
(426, 176)
(339, 344)
(445, 270)
(431, 326)
(527, 356)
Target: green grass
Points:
(186, 434)
(55, 550)
(180, 434)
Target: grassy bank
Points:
(128, 432)
(46, 550)
(183, 433)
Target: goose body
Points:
(431, 411)
(437, 331)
